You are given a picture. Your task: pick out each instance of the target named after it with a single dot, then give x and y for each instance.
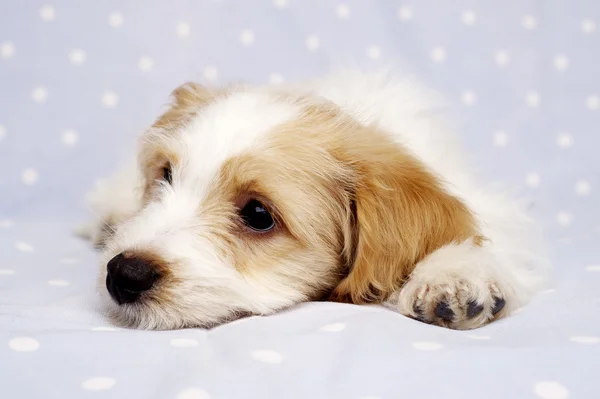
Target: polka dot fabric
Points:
(79, 81)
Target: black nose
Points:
(127, 277)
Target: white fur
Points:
(512, 262)
(210, 285)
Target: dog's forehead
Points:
(232, 124)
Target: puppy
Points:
(246, 200)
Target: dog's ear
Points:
(187, 99)
(401, 214)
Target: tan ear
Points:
(187, 100)
(402, 214)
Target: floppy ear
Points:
(402, 213)
(187, 99)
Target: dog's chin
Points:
(144, 317)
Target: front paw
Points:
(452, 301)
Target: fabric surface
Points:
(79, 80)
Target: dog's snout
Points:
(128, 276)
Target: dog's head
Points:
(254, 200)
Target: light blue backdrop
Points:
(80, 79)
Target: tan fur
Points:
(187, 99)
(401, 211)
(402, 214)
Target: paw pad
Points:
(498, 305)
(453, 308)
(443, 311)
(473, 309)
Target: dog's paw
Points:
(459, 286)
(453, 302)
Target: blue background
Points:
(79, 80)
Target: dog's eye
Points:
(256, 216)
(167, 174)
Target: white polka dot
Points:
(312, 42)
(7, 272)
(592, 102)
(193, 393)
(6, 223)
(182, 29)
(98, 383)
(468, 17)
(69, 137)
(342, 11)
(550, 390)
(247, 37)
(582, 187)
(588, 26)
(479, 337)
(115, 19)
(23, 246)
(29, 176)
(532, 99)
(77, 56)
(561, 62)
(405, 13)
(47, 13)
(145, 63)
(532, 180)
(501, 58)
(7, 49)
(564, 140)
(593, 268)
(438, 54)
(281, 3)
(267, 356)
(58, 283)
(2, 132)
(276, 79)
(23, 344)
(529, 22)
(211, 73)
(39, 94)
(427, 346)
(468, 97)
(564, 218)
(587, 340)
(500, 139)
(105, 329)
(183, 342)
(334, 327)
(68, 261)
(110, 99)
(374, 52)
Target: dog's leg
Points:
(459, 286)
(112, 201)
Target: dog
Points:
(245, 200)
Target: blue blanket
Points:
(79, 80)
